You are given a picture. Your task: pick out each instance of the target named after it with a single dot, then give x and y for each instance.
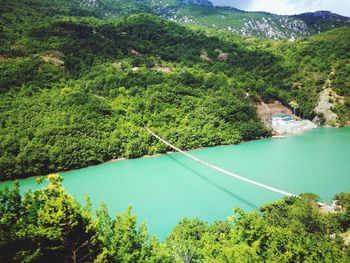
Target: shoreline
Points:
(65, 170)
(167, 152)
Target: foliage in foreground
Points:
(48, 225)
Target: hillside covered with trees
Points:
(79, 82)
(203, 13)
(48, 225)
(77, 89)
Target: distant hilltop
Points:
(203, 13)
(198, 2)
(325, 15)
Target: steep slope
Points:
(203, 13)
(323, 20)
(317, 64)
(77, 90)
(256, 23)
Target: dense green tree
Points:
(343, 201)
(78, 88)
(48, 225)
(184, 241)
(48, 218)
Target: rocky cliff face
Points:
(325, 115)
(198, 2)
(272, 27)
(203, 13)
(259, 24)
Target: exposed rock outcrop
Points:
(198, 2)
(163, 69)
(327, 100)
(204, 56)
(222, 56)
(53, 57)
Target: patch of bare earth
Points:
(53, 57)
(266, 110)
(162, 69)
(204, 56)
(2, 57)
(134, 52)
(222, 56)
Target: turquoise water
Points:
(164, 189)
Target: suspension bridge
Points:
(234, 175)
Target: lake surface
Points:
(164, 189)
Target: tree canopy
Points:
(48, 225)
(77, 89)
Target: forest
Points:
(77, 89)
(49, 225)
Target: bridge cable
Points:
(214, 167)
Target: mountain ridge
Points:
(201, 13)
(198, 2)
(85, 87)
(251, 24)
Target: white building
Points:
(282, 119)
(285, 124)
